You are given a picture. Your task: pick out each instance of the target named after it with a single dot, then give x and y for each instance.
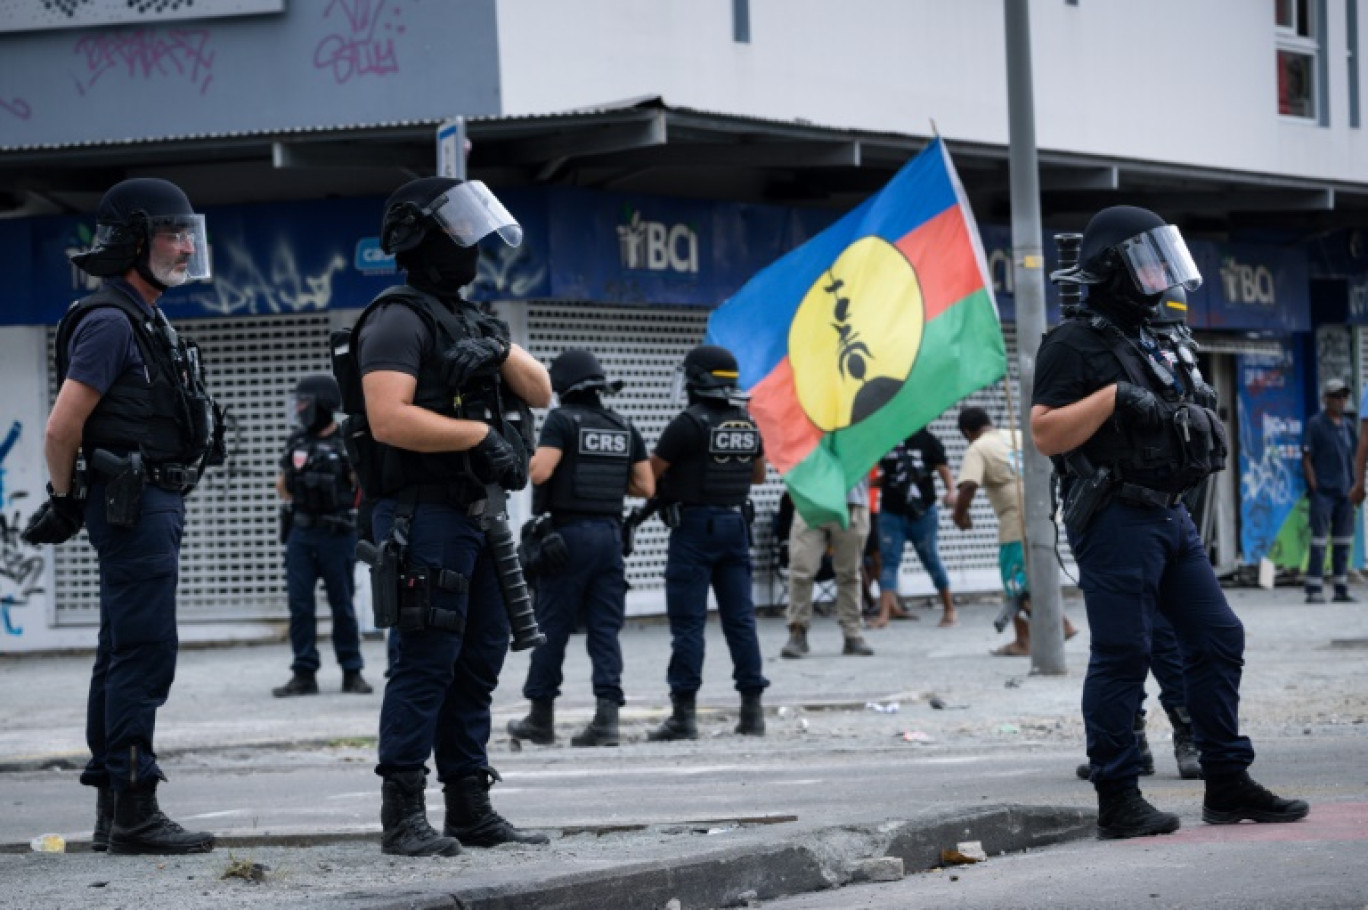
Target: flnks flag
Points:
(866, 333)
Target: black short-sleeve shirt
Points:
(559, 432)
(393, 338)
(1074, 361)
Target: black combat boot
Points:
(302, 683)
(140, 828)
(1231, 798)
(1123, 812)
(403, 817)
(472, 820)
(104, 819)
(1141, 740)
(797, 645)
(355, 683)
(752, 720)
(1184, 749)
(603, 729)
(680, 724)
(539, 726)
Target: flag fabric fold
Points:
(866, 333)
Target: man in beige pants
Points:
(807, 546)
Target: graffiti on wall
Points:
(21, 568)
(16, 107)
(145, 54)
(241, 286)
(1271, 428)
(362, 42)
(508, 271)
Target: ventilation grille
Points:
(232, 564)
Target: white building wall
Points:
(1163, 80)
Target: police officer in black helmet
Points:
(1132, 433)
(704, 465)
(436, 373)
(133, 403)
(320, 493)
(588, 458)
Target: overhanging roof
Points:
(645, 146)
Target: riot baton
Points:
(517, 602)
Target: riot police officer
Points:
(434, 449)
(319, 524)
(704, 465)
(133, 404)
(1133, 432)
(588, 458)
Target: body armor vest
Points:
(720, 473)
(318, 474)
(385, 470)
(1190, 441)
(591, 477)
(169, 417)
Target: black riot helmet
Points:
(1131, 255)
(432, 226)
(1172, 309)
(710, 372)
(316, 397)
(578, 370)
(130, 214)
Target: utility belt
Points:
(402, 593)
(340, 522)
(1135, 495)
(672, 513)
(125, 477)
(458, 494)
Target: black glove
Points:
(56, 521)
(1140, 403)
(495, 461)
(555, 555)
(473, 357)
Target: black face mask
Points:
(439, 266)
(1119, 300)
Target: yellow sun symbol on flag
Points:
(856, 334)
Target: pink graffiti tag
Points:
(147, 54)
(358, 49)
(17, 106)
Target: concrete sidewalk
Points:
(1304, 669)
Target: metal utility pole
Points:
(1028, 271)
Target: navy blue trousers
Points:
(439, 690)
(592, 585)
(1166, 663)
(135, 656)
(311, 554)
(1135, 564)
(711, 548)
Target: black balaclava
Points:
(439, 265)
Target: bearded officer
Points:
(704, 465)
(132, 402)
(588, 459)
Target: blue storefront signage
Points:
(579, 245)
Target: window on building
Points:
(1299, 58)
(741, 21)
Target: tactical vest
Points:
(720, 473)
(591, 477)
(318, 474)
(1190, 442)
(384, 470)
(169, 417)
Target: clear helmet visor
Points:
(470, 212)
(179, 248)
(1158, 260)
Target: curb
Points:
(755, 868)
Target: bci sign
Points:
(655, 246)
(1244, 283)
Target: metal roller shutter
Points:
(231, 561)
